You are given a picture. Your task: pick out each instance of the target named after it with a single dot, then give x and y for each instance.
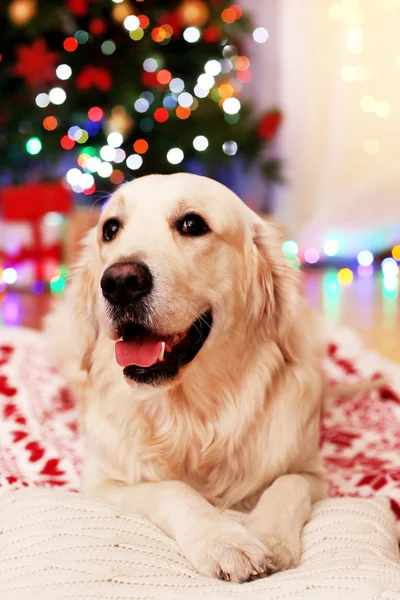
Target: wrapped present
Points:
(31, 231)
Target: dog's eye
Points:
(110, 229)
(193, 225)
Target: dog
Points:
(198, 367)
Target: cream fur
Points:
(241, 423)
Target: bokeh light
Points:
(345, 276)
(311, 255)
(63, 72)
(115, 139)
(390, 268)
(331, 247)
(396, 252)
(33, 145)
(230, 148)
(134, 162)
(10, 276)
(260, 35)
(175, 156)
(365, 258)
(200, 143)
(95, 113)
(42, 100)
(191, 34)
(57, 95)
(140, 146)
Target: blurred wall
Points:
(339, 87)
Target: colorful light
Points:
(212, 67)
(231, 106)
(108, 47)
(141, 105)
(345, 276)
(390, 268)
(105, 169)
(228, 15)
(260, 35)
(185, 99)
(57, 285)
(183, 113)
(200, 143)
(175, 156)
(164, 76)
(191, 35)
(107, 153)
(67, 143)
(137, 34)
(50, 123)
(42, 100)
(70, 44)
(86, 181)
(396, 252)
(150, 65)
(206, 81)
(10, 276)
(161, 115)
(33, 146)
(230, 148)
(63, 72)
(115, 139)
(200, 91)
(57, 95)
(331, 247)
(365, 258)
(311, 255)
(93, 164)
(131, 23)
(73, 176)
(365, 272)
(120, 155)
(176, 85)
(290, 248)
(225, 90)
(134, 162)
(141, 146)
(95, 114)
(117, 177)
(81, 36)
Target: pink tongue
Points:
(142, 353)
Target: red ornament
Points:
(35, 64)
(149, 79)
(79, 8)
(269, 124)
(211, 34)
(171, 18)
(97, 27)
(94, 77)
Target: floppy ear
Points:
(81, 296)
(275, 287)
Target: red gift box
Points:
(29, 204)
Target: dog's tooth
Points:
(161, 355)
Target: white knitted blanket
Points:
(56, 545)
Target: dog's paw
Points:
(283, 554)
(228, 551)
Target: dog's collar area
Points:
(150, 358)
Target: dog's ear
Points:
(82, 297)
(275, 287)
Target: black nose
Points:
(124, 283)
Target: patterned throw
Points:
(40, 444)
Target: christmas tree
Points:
(102, 91)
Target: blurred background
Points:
(294, 105)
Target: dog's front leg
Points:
(216, 545)
(281, 513)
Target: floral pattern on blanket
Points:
(40, 444)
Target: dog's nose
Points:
(124, 283)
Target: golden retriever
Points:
(198, 365)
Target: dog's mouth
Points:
(150, 358)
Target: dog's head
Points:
(177, 267)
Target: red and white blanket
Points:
(40, 444)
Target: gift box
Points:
(32, 224)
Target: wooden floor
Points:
(366, 305)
